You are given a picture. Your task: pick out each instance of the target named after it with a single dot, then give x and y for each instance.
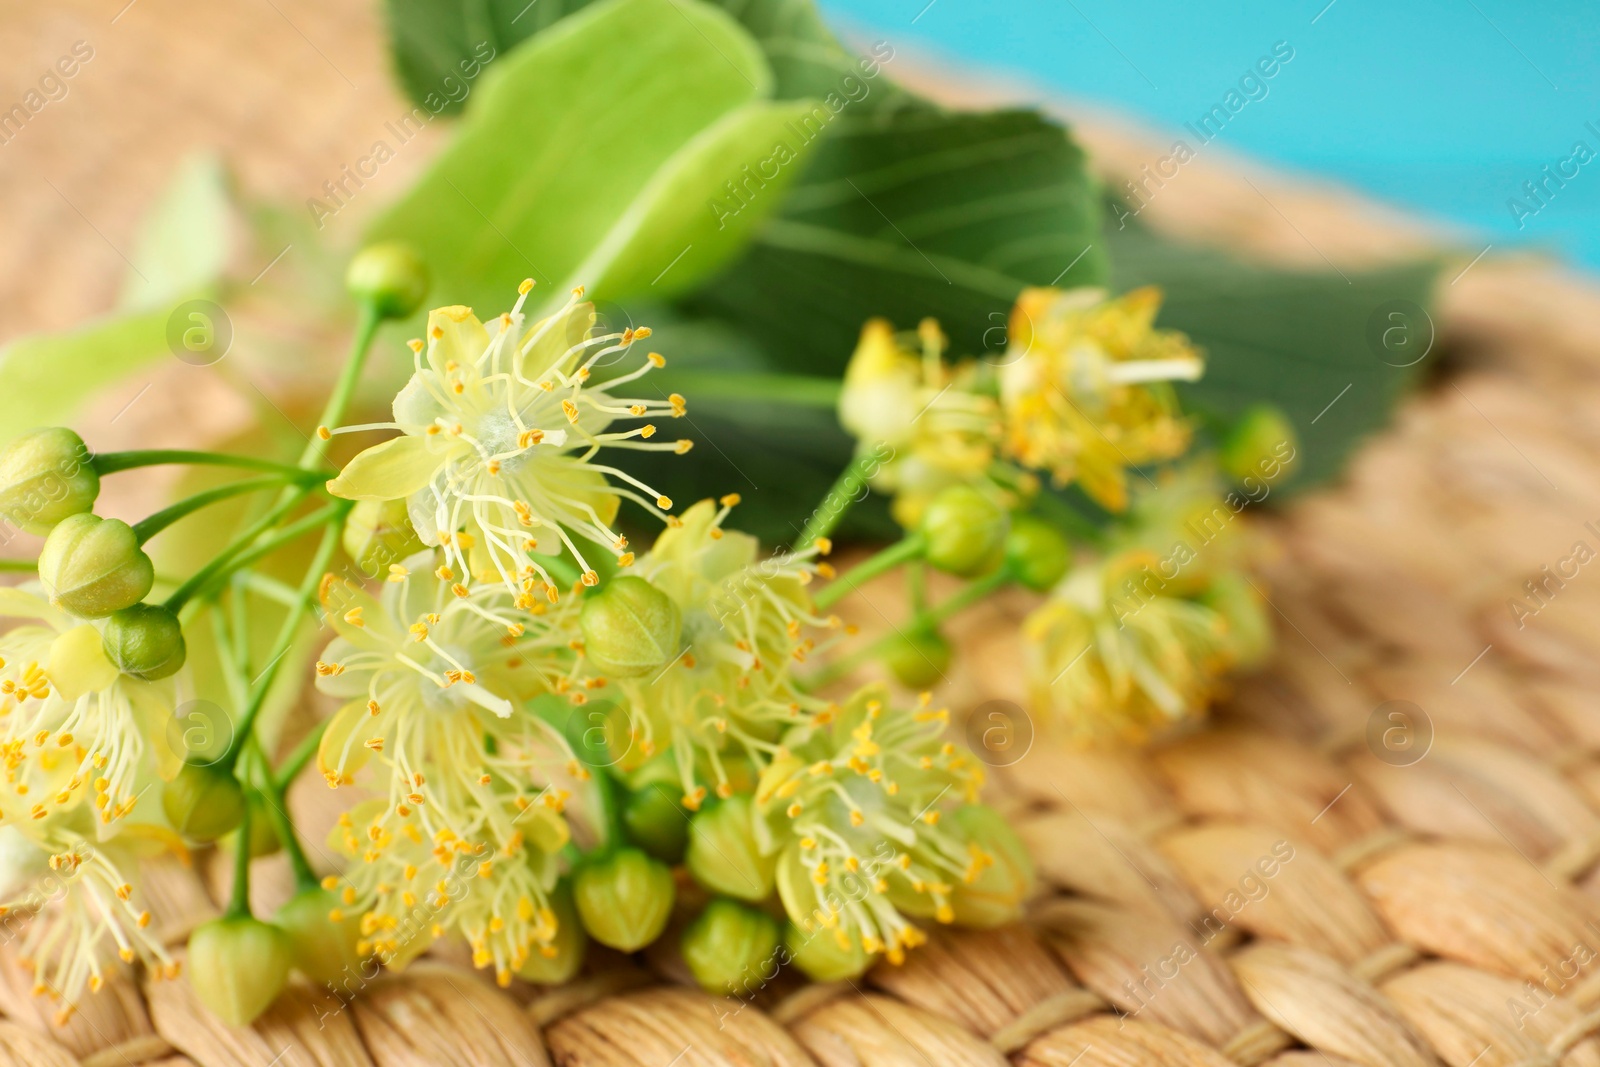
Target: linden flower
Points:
(728, 690)
(77, 895)
(866, 814)
(70, 723)
(1085, 387)
(500, 427)
(414, 882)
(1112, 654)
(437, 679)
(920, 424)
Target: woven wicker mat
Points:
(1266, 891)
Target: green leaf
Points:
(1298, 339)
(918, 212)
(46, 377)
(186, 241)
(439, 45)
(597, 150)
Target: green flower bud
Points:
(203, 802)
(723, 855)
(378, 533)
(144, 641)
(323, 947)
(1261, 447)
(46, 475)
(918, 658)
(1005, 880)
(1038, 554)
(92, 567)
(624, 899)
(965, 531)
(238, 967)
(731, 948)
(630, 628)
(656, 822)
(390, 276)
(825, 955)
(558, 961)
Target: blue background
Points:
(1442, 107)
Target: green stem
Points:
(302, 754)
(112, 462)
(800, 390)
(18, 566)
(344, 389)
(280, 647)
(151, 525)
(917, 584)
(836, 503)
(239, 899)
(957, 602)
(909, 548)
(231, 559)
(272, 793)
(219, 564)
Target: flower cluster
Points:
(500, 427)
(1143, 635)
(872, 816)
(82, 744)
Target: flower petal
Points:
(396, 468)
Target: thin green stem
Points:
(272, 794)
(296, 760)
(239, 899)
(800, 390)
(112, 462)
(220, 564)
(836, 503)
(917, 585)
(151, 525)
(244, 728)
(214, 573)
(344, 389)
(18, 566)
(926, 619)
(908, 548)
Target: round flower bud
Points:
(203, 802)
(825, 955)
(630, 628)
(1037, 553)
(919, 658)
(731, 948)
(377, 534)
(1261, 447)
(624, 899)
(46, 475)
(238, 966)
(656, 822)
(723, 855)
(965, 531)
(390, 276)
(558, 961)
(92, 567)
(144, 641)
(1004, 875)
(322, 937)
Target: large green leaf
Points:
(597, 149)
(910, 213)
(440, 45)
(1302, 340)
